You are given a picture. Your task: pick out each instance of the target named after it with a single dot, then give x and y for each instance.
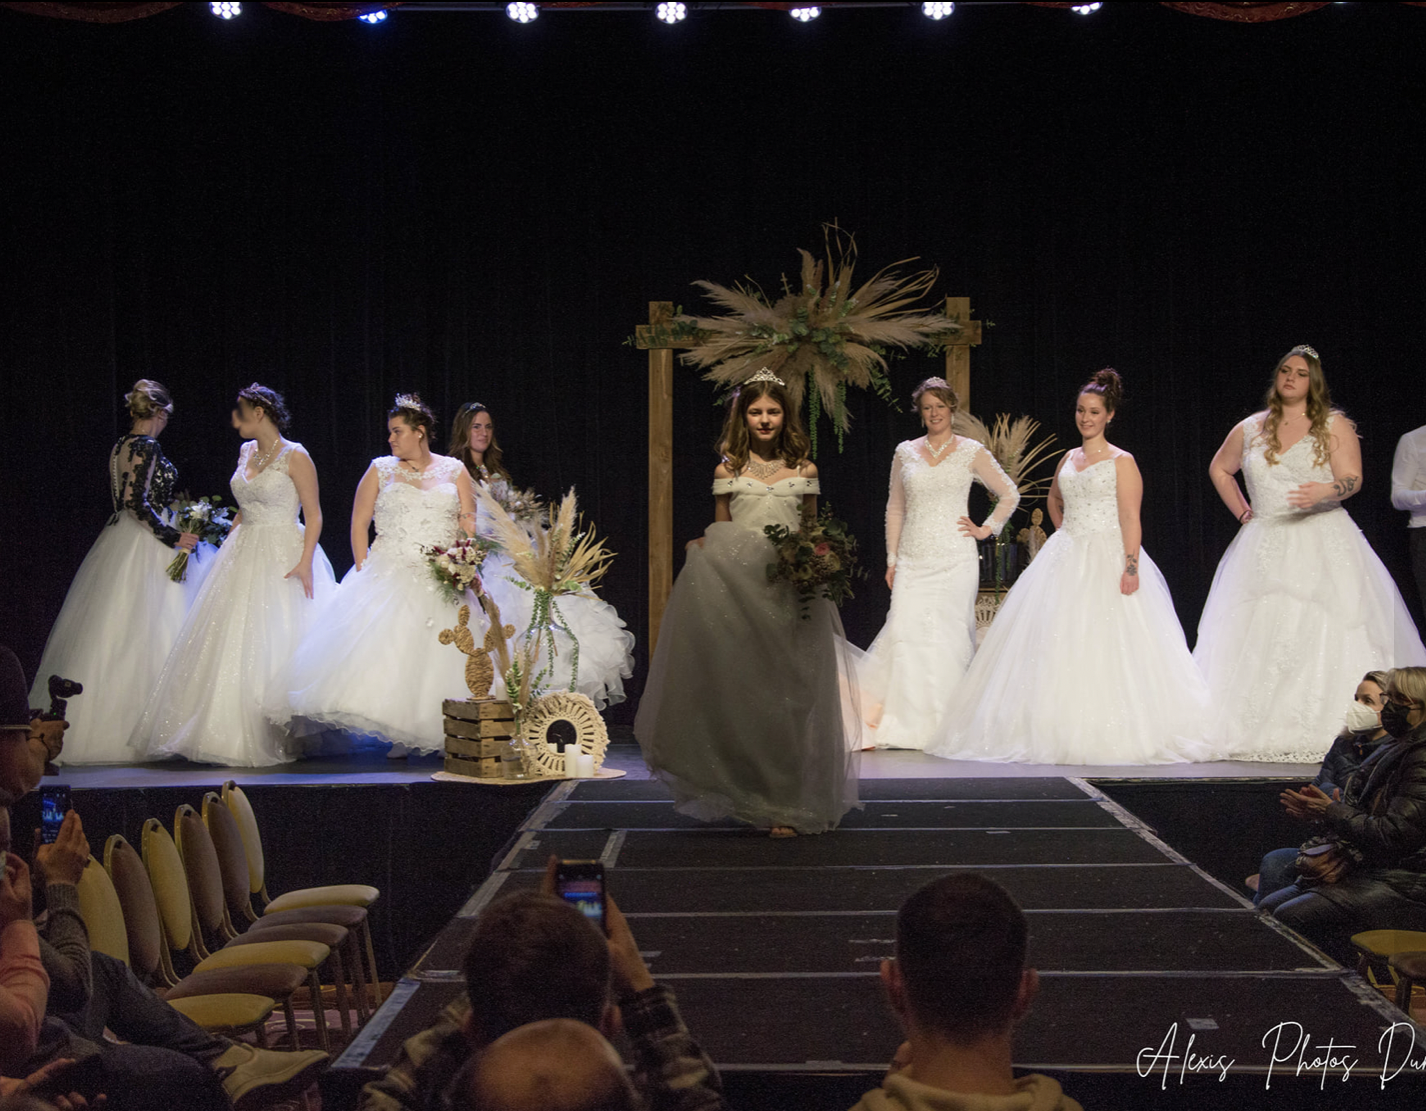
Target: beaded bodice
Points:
(269, 498)
(414, 510)
(755, 504)
(1091, 497)
(1270, 483)
(142, 480)
(936, 498)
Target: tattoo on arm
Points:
(1344, 486)
(1131, 565)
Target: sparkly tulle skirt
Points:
(119, 620)
(749, 711)
(210, 703)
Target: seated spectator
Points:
(26, 1094)
(1362, 735)
(516, 944)
(1366, 870)
(958, 986)
(554, 1065)
(26, 744)
(24, 985)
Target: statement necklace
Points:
(935, 451)
(763, 471)
(263, 458)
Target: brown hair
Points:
(936, 387)
(415, 412)
(269, 401)
(1319, 408)
(460, 442)
(1108, 385)
(734, 446)
(148, 398)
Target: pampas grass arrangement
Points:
(1009, 441)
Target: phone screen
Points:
(54, 805)
(581, 882)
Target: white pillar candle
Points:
(571, 760)
(586, 765)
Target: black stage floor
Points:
(773, 947)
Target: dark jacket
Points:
(1346, 755)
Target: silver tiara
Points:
(765, 375)
(1308, 349)
(407, 401)
(937, 383)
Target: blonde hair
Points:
(1408, 681)
(1319, 408)
(148, 398)
(734, 445)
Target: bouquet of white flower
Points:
(209, 518)
(457, 568)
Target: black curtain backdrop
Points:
(455, 204)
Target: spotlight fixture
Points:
(672, 13)
(805, 15)
(1085, 9)
(523, 13)
(373, 17)
(937, 11)
(226, 11)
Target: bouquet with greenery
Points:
(208, 518)
(457, 567)
(819, 559)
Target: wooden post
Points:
(958, 351)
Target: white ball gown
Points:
(1072, 671)
(747, 712)
(910, 674)
(209, 704)
(606, 647)
(122, 613)
(372, 664)
(1300, 609)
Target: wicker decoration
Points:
(583, 718)
(479, 669)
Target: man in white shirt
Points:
(1408, 492)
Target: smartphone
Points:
(54, 805)
(581, 882)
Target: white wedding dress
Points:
(748, 711)
(243, 628)
(1301, 608)
(1072, 671)
(372, 664)
(122, 613)
(910, 674)
(605, 647)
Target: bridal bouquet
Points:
(523, 506)
(209, 518)
(457, 568)
(819, 559)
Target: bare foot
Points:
(782, 831)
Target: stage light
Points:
(672, 13)
(1085, 9)
(373, 17)
(805, 15)
(523, 13)
(937, 11)
(226, 11)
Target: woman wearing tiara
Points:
(910, 673)
(122, 613)
(742, 715)
(372, 664)
(254, 607)
(1300, 606)
(1086, 662)
(605, 646)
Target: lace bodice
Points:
(927, 501)
(1270, 483)
(414, 511)
(142, 480)
(755, 504)
(270, 498)
(1091, 497)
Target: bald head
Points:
(555, 1065)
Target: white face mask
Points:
(1362, 718)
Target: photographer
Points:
(26, 743)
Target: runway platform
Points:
(773, 946)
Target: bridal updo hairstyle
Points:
(415, 412)
(460, 441)
(148, 398)
(1319, 408)
(734, 445)
(269, 401)
(1108, 385)
(936, 387)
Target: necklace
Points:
(936, 452)
(763, 471)
(261, 459)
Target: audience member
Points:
(959, 985)
(1367, 869)
(24, 985)
(25, 1095)
(26, 744)
(554, 1065)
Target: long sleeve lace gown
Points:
(209, 704)
(372, 664)
(122, 613)
(743, 713)
(1300, 609)
(910, 674)
(1072, 671)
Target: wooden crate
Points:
(479, 709)
(478, 733)
(489, 767)
(481, 749)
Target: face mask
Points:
(1361, 718)
(1394, 719)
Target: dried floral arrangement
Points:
(1009, 441)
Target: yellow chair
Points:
(307, 898)
(102, 912)
(1409, 969)
(1375, 949)
(180, 933)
